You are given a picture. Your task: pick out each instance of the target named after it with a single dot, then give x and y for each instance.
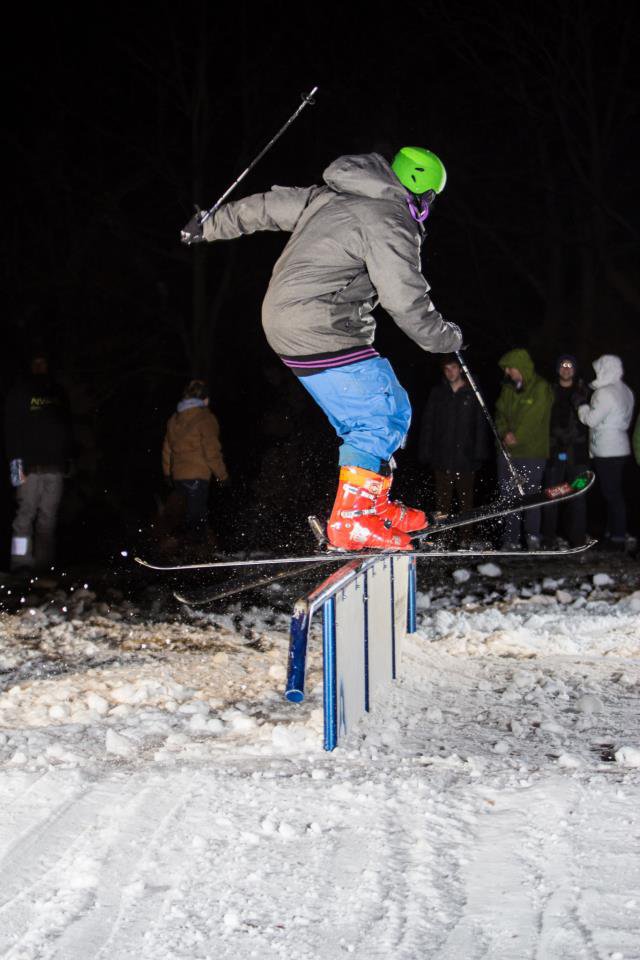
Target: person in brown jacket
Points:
(191, 455)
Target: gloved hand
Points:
(455, 329)
(225, 484)
(193, 231)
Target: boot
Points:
(353, 524)
(400, 517)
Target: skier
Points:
(355, 242)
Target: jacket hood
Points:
(521, 360)
(366, 175)
(608, 370)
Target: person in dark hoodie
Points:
(39, 446)
(191, 455)
(453, 437)
(523, 413)
(568, 454)
(355, 242)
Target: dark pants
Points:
(574, 513)
(609, 472)
(530, 472)
(448, 481)
(196, 496)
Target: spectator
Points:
(523, 413)
(39, 445)
(453, 438)
(568, 454)
(636, 441)
(191, 454)
(608, 417)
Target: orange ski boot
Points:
(400, 517)
(354, 524)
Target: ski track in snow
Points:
(478, 813)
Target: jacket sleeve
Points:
(502, 420)
(211, 448)
(392, 259)
(596, 411)
(278, 209)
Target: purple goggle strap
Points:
(418, 214)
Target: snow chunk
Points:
(489, 570)
(231, 920)
(602, 580)
(563, 596)
(119, 745)
(461, 575)
(628, 756)
(98, 704)
(569, 761)
(589, 704)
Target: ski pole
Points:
(473, 385)
(306, 100)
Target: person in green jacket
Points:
(523, 413)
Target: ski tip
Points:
(143, 563)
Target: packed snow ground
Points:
(161, 800)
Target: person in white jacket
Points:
(608, 417)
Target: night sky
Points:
(118, 118)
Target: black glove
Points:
(193, 231)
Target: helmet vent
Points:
(420, 169)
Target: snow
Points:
(161, 800)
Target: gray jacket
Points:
(353, 244)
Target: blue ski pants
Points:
(367, 408)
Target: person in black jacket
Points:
(39, 446)
(453, 437)
(568, 454)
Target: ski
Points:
(341, 556)
(197, 601)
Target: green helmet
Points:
(419, 170)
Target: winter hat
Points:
(566, 357)
(196, 390)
